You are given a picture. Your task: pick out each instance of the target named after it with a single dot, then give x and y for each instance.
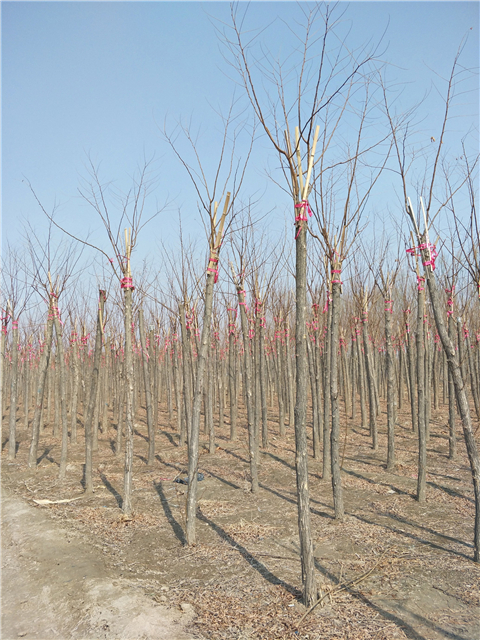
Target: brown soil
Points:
(242, 580)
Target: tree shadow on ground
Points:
(182, 469)
(171, 437)
(217, 477)
(45, 456)
(407, 628)
(377, 482)
(176, 527)
(140, 435)
(412, 536)
(249, 557)
(428, 530)
(112, 490)
(450, 492)
(235, 455)
(294, 501)
(278, 459)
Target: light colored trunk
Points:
(12, 444)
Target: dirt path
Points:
(56, 586)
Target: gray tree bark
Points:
(301, 457)
(92, 396)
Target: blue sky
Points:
(99, 79)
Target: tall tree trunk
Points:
(462, 403)
(390, 389)
(313, 387)
(187, 373)
(148, 390)
(301, 457)
(369, 367)
(193, 440)
(422, 443)
(281, 405)
(473, 377)
(89, 415)
(263, 384)
(252, 443)
(129, 395)
(335, 434)
(12, 442)
(76, 380)
(327, 450)
(232, 391)
(362, 383)
(42, 375)
(411, 373)
(290, 382)
(62, 373)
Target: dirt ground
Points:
(393, 569)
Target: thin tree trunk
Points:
(193, 440)
(463, 407)
(390, 389)
(187, 374)
(232, 391)
(12, 442)
(148, 391)
(311, 366)
(301, 457)
(252, 443)
(369, 367)
(76, 380)
(42, 375)
(335, 434)
(327, 405)
(129, 395)
(422, 444)
(63, 399)
(89, 415)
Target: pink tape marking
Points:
(304, 209)
(336, 271)
(127, 283)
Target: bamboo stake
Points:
(310, 162)
(292, 165)
(299, 159)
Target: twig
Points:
(269, 555)
(343, 587)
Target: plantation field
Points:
(393, 568)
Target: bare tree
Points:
(210, 193)
(326, 73)
(427, 252)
